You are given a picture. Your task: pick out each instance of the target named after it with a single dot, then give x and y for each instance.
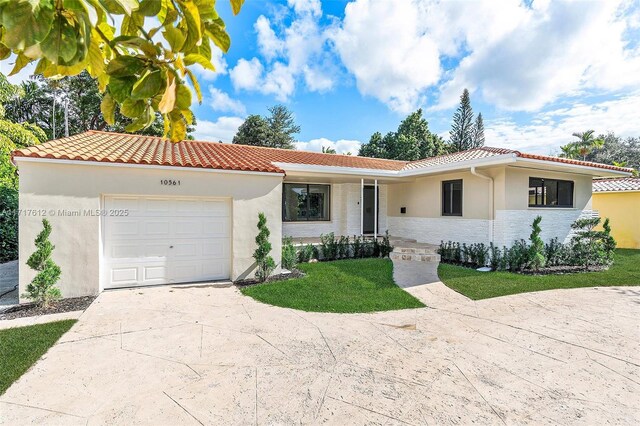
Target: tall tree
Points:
(141, 65)
(254, 131)
(586, 143)
(615, 149)
(77, 97)
(461, 134)
(478, 132)
(375, 148)
(411, 141)
(274, 131)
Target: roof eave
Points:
(592, 170)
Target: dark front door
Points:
(369, 206)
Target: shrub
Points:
(307, 253)
(265, 263)
(385, 245)
(42, 288)
(591, 247)
(536, 249)
(357, 247)
(518, 256)
(289, 255)
(344, 249)
(495, 258)
(328, 246)
(8, 224)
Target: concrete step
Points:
(415, 250)
(415, 257)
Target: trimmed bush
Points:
(42, 289)
(289, 254)
(265, 263)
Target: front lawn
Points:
(347, 286)
(483, 285)
(22, 346)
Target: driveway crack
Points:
(479, 393)
(184, 409)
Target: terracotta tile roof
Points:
(135, 149)
(617, 184)
(471, 154)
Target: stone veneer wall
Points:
(434, 230)
(511, 225)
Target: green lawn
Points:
(357, 285)
(22, 346)
(483, 285)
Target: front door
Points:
(369, 207)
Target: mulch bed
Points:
(550, 270)
(64, 305)
(280, 277)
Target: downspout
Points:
(491, 196)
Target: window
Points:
(550, 192)
(452, 198)
(304, 202)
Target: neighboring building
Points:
(619, 200)
(132, 210)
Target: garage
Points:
(151, 240)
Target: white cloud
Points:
(342, 146)
(547, 51)
(547, 131)
(293, 52)
(221, 101)
(385, 46)
(223, 129)
(247, 75)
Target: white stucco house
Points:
(131, 210)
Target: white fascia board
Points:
(140, 166)
(596, 171)
(495, 160)
(621, 191)
(334, 170)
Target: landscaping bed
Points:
(625, 271)
(345, 286)
(63, 305)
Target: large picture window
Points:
(305, 202)
(452, 197)
(550, 192)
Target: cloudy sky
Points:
(537, 70)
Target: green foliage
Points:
(586, 143)
(265, 263)
(536, 249)
(385, 245)
(592, 247)
(66, 37)
(42, 288)
(461, 135)
(412, 141)
(478, 132)
(289, 255)
(344, 248)
(307, 253)
(616, 151)
(328, 246)
(8, 224)
(328, 150)
(274, 131)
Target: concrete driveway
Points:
(206, 355)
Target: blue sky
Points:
(538, 70)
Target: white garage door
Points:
(165, 240)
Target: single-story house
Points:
(619, 200)
(130, 210)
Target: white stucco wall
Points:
(433, 230)
(345, 214)
(46, 188)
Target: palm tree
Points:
(585, 144)
(328, 150)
